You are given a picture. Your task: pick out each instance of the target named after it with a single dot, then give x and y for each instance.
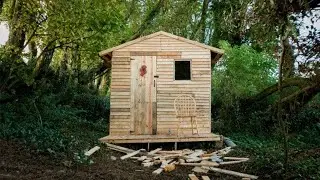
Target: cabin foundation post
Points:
(148, 147)
(175, 146)
(219, 144)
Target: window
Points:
(182, 70)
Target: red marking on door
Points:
(143, 70)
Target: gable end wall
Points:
(167, 50)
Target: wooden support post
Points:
(219, 144)
(175, 146)
(148, 147)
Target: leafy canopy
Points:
(241, 73)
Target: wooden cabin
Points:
(148, 75)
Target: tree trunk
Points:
(1, 5)
(281, 119)
(202, 23)
(103, 85)
(288, 60)
(43, 63)
(302, 96)
(33, 54)
(203, 20)
(75, 64)
(155, 11)
(17, 32)
(63, 70)
(290, 82)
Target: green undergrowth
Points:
(62, 124)
(266, 154)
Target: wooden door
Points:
(143, 95)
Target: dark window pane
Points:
(182, 70)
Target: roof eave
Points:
(212, 49)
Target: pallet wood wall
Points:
(166, 50)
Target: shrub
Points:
(55, 124)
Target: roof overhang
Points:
(216, 53)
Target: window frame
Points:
(174, 70)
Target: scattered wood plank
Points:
(184, 157)
(172, 156)
(146, 160)
(206, 157)
(158, 171)
(130, 155)
(119, 148)
(92, 150)
(154, 151)
(195, 159)
(210, 164)
(198, 169)
(142, 158)
(230, 162)
(193, 177)
(169, 152)
(221, 151)
(148, 164)
(205, 177)
(236, 158)
(234, 173)
(196, 154)
(165, 162)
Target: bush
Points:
(55, 124)
(243, 72)
(266, 154)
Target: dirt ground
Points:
(18, 162)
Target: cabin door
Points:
(143, 95)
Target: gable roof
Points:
(216, 53)
(213, 49)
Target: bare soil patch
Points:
(19, 162)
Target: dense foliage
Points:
(54, 88)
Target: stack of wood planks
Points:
(202, 161)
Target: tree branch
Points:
(202, 23)
(155, 11)
(291, 82)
